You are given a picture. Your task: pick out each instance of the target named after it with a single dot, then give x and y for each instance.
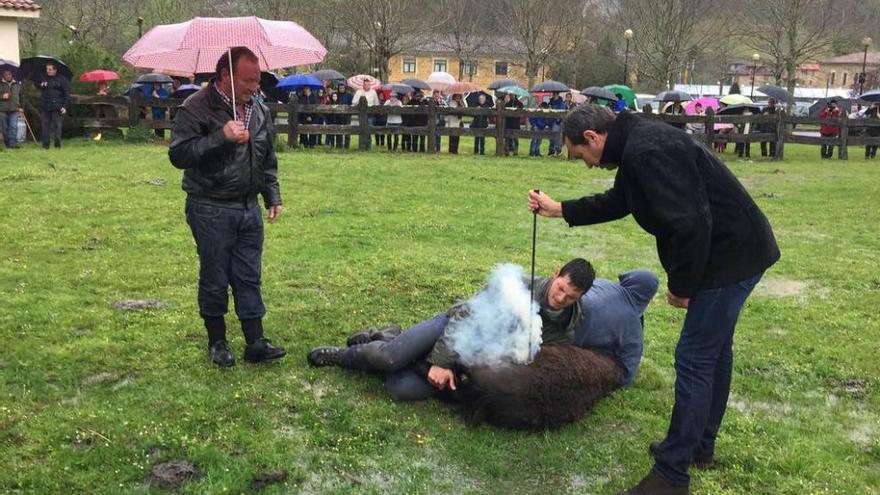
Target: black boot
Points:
(219, 352)
(654, 484)
(700, 460)
(325, 356)
(262, 350)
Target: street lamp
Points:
(866, 42)
(755, 58)
(628, 34)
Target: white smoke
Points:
(500, 325)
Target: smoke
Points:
(498, 325)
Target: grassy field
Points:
(92, 397)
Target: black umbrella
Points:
(268, 81)
(135, 87)
(417, 84)
(11, 66)
(154, 78)
(185, 90)
(328, 75)
(844, 104)
(872, 96)
(777, 93)
(673, 96)
(599, 92)
(34, 68)
(472, 99)
(739, 109)
(501, 83)
(550, 86)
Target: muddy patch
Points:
(262, 480)
(99, 378)
(138, 304)
(781, 287)
(172, 474)
(751, 408)
(750, 183)
(155, 182)
(856, 388)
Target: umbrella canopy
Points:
(473, 99)
(11, 66)
(673, 96)
(185, 90)
(872, 96)
(550, 86)
(514, 90)
(34, 68)
(357, 81)
(328, 75)
(628, 94)
(844, 104)
(417, 84)
(501, 83)
(739, 109)
(297, 81)
(777, 93)
(398, 88)
(268, 82)
(143, 88)
(735, 99)
(154, 78)
(462, 88)
(195, 46)
(599, 92)
(577, 97)
(440, 80)
(706, 102)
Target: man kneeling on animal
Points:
(575, 308)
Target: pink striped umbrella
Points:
(195, 46)
(706, 102)
(357, 81)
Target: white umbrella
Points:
(440, 80)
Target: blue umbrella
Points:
(872, 96)
(297, 81)
(10, 65)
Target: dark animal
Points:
(558, 387)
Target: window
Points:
(439, 65)
(469, 68)
(409, 65)
(844, 78)
(500, 68)
(833, 76)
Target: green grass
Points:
(91, 397)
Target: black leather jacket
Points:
(215, 170)
(54, 95)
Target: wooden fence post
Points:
(842, 152)
(134, 107)
(709, 123)
(363, 125)
(293, 123)
(780, 134)
(432, 126)
(500, 144)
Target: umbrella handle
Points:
(231, 81)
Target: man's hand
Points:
(544, 205)
(235, 132)
(274, 213)
(5, 96)
(441, 378)
(678, 302)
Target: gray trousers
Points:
(395, 359)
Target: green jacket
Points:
(553, 331)
(14, 101)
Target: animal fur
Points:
(558, 387)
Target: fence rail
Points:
(773, 128)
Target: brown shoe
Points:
(654, 484)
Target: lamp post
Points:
(628, 34)
(140, 23)
(755, 58)
(866, 42)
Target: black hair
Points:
(580, 273)
(237, 53)
(586, 117)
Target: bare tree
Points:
(667, 34)
(540, 28)
(463, 30)
(789, 32)
(384, 28)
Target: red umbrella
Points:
(195, 46)
(358, 81)
(98, 75)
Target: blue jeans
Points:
(535, 146)
(230, 246)
(703, 366)
(9, 127)
(555, 142)
(395, 358)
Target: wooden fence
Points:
(776, 128)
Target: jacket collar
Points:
(617, 137)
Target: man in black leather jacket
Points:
(55, 90)
(228, 159)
